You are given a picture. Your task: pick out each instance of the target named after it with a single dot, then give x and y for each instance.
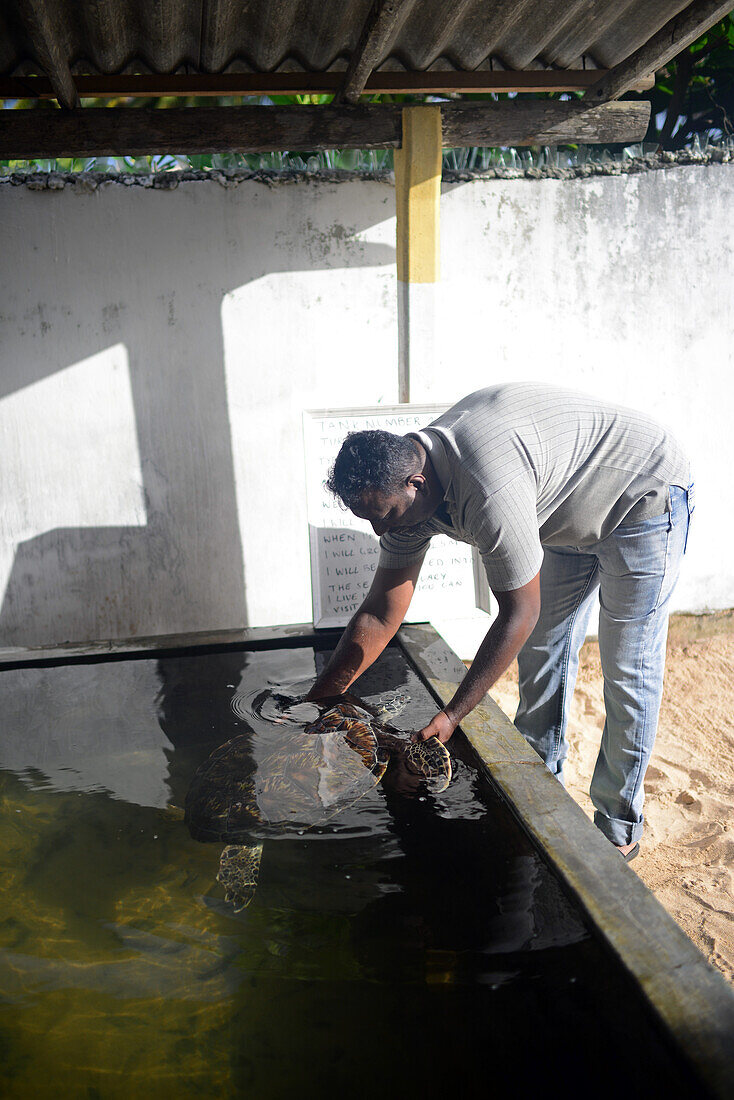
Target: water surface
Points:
(423, 946)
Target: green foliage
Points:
(694, 93)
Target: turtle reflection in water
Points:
(312, 777)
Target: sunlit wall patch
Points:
(71, 456)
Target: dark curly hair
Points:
(373, 460)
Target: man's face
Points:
(403, 508)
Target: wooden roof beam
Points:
(384, 19)
(435, 82)
(44, 37)
(543, 122)
(123, 131)
(677, 34)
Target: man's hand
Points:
(441, 726)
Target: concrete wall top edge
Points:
(168, 181)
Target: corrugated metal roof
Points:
(219, 36)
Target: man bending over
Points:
(565, 497)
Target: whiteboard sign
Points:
(345, 551)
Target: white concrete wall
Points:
(158, 348)
(621, 286)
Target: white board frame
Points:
(344, 550)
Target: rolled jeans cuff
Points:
(619, 832)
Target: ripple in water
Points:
(279, 705)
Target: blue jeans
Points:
(634, 570)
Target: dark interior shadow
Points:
(131, 266)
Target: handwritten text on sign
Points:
(344, 550)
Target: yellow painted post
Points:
(417, 198)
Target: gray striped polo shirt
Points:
(527, 465)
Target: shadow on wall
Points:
(146, 270)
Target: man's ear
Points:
(418, 482)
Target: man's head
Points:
(386, 479)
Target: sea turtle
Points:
(313, 775)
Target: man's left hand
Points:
(441, 727)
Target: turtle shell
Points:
(311, 777)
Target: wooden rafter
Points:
(676, 35)
(127, 131)
(306, 83)
(44, 38)
(543, 122)
(384, 19)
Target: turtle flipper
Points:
(239, 866)
(432, 760)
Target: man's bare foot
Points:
(628, 851)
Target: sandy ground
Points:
(687, 853)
